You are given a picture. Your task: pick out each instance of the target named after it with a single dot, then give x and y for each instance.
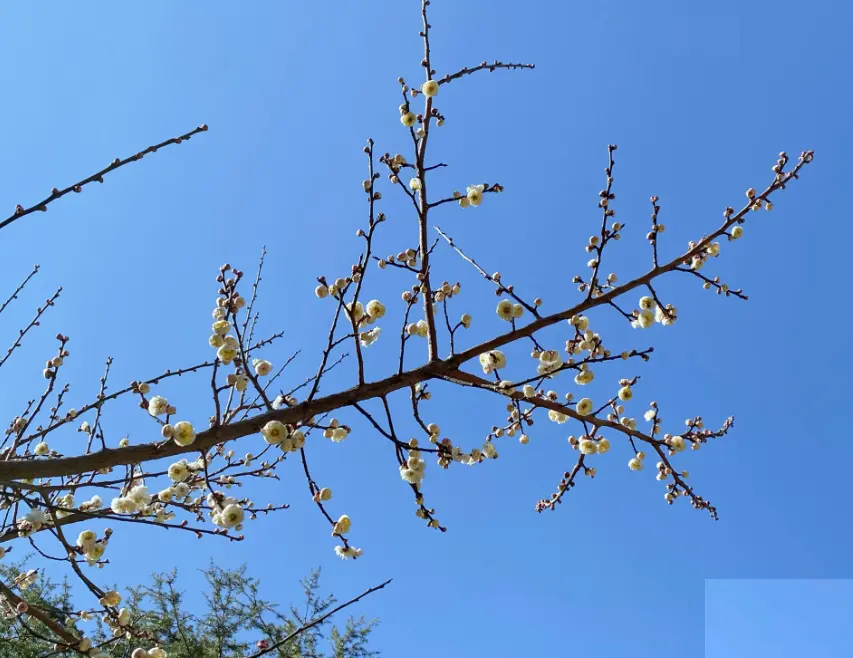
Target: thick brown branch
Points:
(439, 369)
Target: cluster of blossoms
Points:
(277, 433)
(335, 431)
(364, 315)
(92, 548)
(359, 314)
(33, 521)
(475, 456)
(412, 471)
(119, 622)
(419, 329)
(24, 581)
(590, 445)
(225, 511)
(395, 164)
(549, 361)
(227, 346)
(182, 432)
(711, 251)
(137, 500)
(154, 652)
(508, 311)
(447, 454)
(651, 312)
(407, 117)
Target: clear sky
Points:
(779, 618)
(700, 98)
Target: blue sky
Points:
(700, 99)
(780, 618)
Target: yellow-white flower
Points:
(603, 446)
(579, 321)
(86, 539)
(375, 309)
(504, 310)
(350, 552)
(549, 361)
(216, 341)
(321, 291)
(413, 470)
(179, 471)
(635, 464)
(415, 184)
(475, 194)
(221, 327)
(465, 320)
(123, 617)
(584, 377)
(625, 393)
(668, 318)
(493, 360)
(226, 353)
(557, 416)
(644, 320)
(430, 88)
(111, 598)
(262, 368)
(647, 303)
(408, 119)
(139, 495)
(231, 516)
(355, 313)
(584, 407)
(158, 405)
(517, 310)
(181, 490)
(713, 249)
(41, 448)
(342, 526)
(184, 434)
(274, 432)
(677, 443)
(737, 232)
(367, 338)
(587, 447)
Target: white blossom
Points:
(157, 405)
(183, 434)
(475, 194)
(645, 319)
